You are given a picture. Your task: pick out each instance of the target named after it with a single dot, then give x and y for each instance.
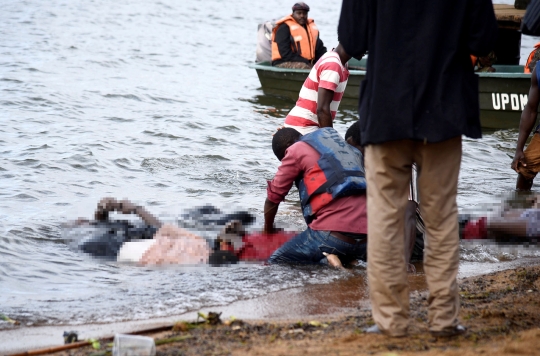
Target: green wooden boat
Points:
(503, 94)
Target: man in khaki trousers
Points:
(419, 97)
(388, 172)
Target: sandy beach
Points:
(499, 308)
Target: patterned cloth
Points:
(294, 65)
(532, 218)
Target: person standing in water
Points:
(527, 163)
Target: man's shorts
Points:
(532, 157)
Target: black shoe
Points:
(451, 331)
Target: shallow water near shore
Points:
(155, 102)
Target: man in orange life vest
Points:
(295, 40)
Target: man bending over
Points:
(329, 174)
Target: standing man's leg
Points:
(523, 184)
(527, 173)
(388, 173)
(438, 165)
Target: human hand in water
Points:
(104, 206)
(519, 158)
(126, 207)
(271, 230)
(109, 204)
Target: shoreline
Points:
(339, 299)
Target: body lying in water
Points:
(151, 242)
(511, 225)
(156, 243)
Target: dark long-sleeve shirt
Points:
(283, 40)
(420, 83)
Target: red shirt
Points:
(260, 246)
(347, 214)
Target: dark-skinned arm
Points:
(270, 211)
(107, 205)
(324, 115)
(527, 121)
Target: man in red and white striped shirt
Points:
(321, 93)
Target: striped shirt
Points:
(327, 73)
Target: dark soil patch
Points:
(501, 311)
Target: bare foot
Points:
(333, 260)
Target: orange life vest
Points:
(473, 60)
(304, 41)
(526, 69)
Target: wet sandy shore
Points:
(342, 305)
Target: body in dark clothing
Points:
(420, 83)
(283, 40)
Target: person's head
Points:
(283, 139)
(300, 12)
(352, 136)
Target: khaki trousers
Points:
(388, 173)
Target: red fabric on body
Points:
(475, 229)
(259, 246)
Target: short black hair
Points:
(354, 132)
(283, 139)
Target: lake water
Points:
(153, 101)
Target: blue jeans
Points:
(308, 247)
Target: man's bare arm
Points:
(527, 121)
(324, 115)
(270, 211)
(106, 205)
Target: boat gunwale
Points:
(269, 68)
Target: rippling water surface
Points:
(151, 101)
